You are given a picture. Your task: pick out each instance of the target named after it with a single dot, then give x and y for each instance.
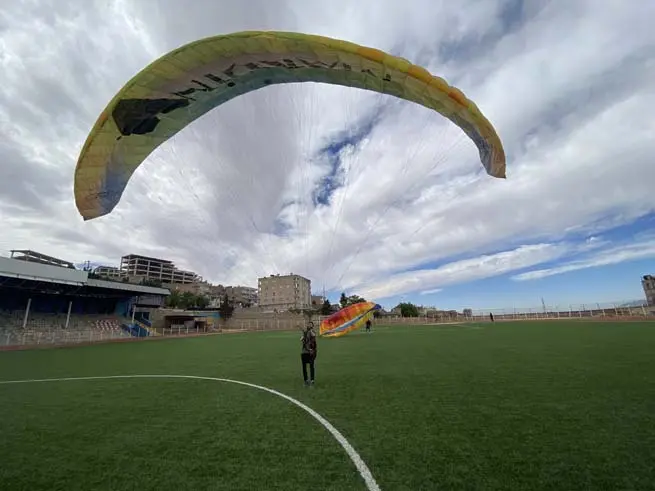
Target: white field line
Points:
(361, 466)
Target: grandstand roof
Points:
(83, 290)
(115, 285)
(16, 273)
(37, 257)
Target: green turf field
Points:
(528, 406)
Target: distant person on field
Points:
(491, 317)
(368, 325)
(308, 353)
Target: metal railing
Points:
(11, 334)
(32, 337)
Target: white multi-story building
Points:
(286, 292)
(151, 268)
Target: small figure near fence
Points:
(308, 353)
(491, 317)
(368, 325)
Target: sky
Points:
(360, 192)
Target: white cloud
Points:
(466, 270)
(568, 88)
(431, 292)
(614, 255)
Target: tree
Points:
(326, 308)
(408, 309)
(173, 300)
(353, 299)
(187, 300)
(343, 301)
(202, 301)
(226, 309)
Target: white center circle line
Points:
(356, 459)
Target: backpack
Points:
(308, 343)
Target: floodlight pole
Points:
(68, 315)
(27, 312)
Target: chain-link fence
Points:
(14, 333)
(571, 311)
(55, 336)
(611, 310)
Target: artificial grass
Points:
(529, 406)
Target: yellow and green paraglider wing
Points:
(184, 84)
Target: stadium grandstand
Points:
(44, 300)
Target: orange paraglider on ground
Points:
(348, 319)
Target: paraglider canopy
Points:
(184, 84)
(348, 319)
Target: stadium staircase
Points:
(147, 325)
(140, 327)
(135, 330)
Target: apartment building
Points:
(137, 267)
(648, 284)
(108, 272)
(285, 292)
(214, 293)
(243, 296)
(197, 288)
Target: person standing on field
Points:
(308, 353)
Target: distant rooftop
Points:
(37, 257)
(147, 258)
